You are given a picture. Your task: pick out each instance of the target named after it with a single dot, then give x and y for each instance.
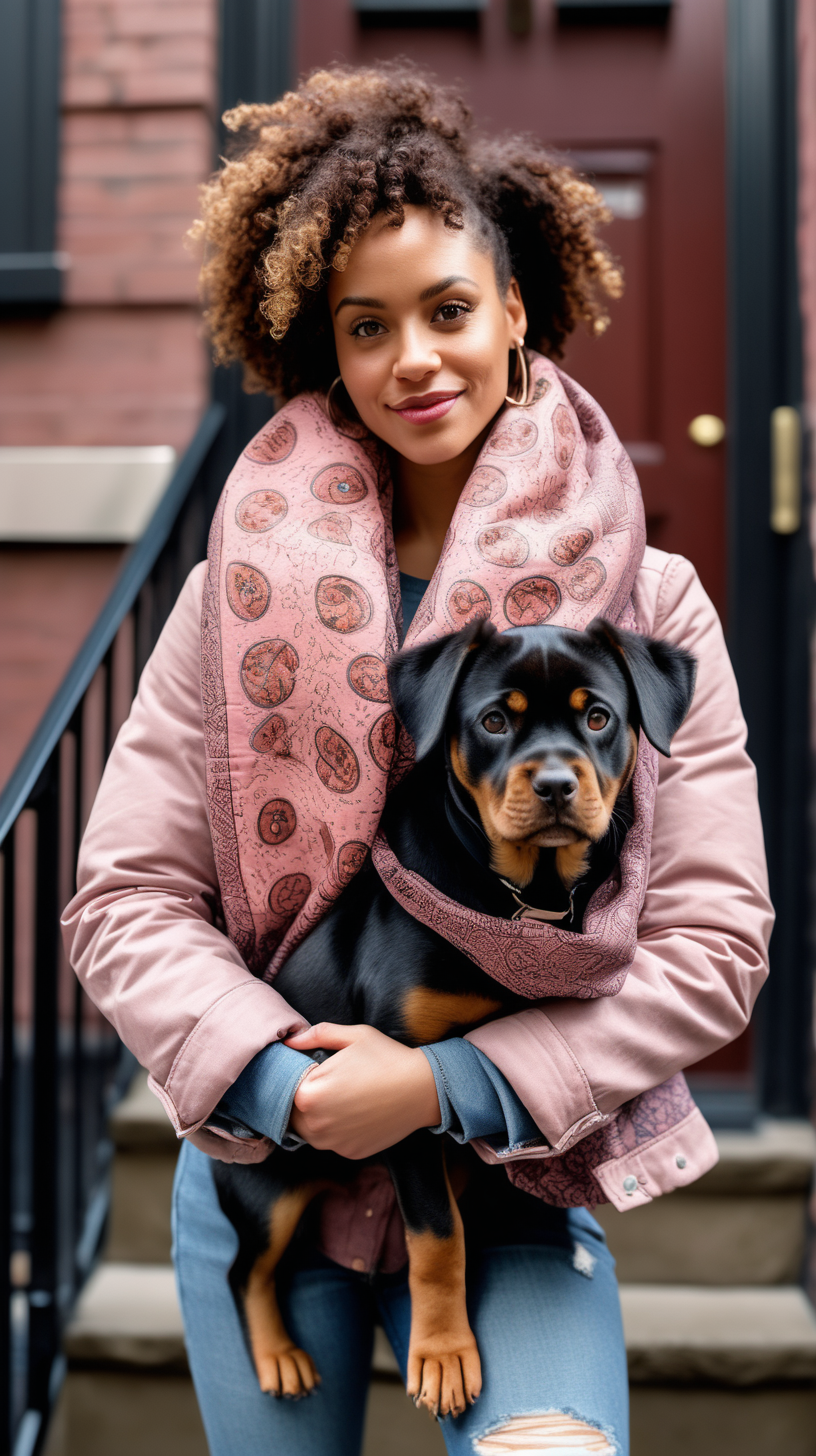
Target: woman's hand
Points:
(371, 1094)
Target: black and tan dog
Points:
(526, 743)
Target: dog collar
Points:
(531, 912)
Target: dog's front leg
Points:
(444, 1369)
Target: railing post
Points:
(44, 1139)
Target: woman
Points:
(373, 261)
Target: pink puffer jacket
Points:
(141, 934)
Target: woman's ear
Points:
(516, 312)
(422, 680)
(660, 676)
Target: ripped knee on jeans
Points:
(548, 1430)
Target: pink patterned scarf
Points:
(302, 611)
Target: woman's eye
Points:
(495, 723)
(366, 329)
(597, 719)
(448, 313)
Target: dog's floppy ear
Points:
(660, 675)
(422, 679)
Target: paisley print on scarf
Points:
(366, 676)
(261, 510)
(532, 601)
(503, 545)
(342, 604)
(247, 591)
(273, 444)
(466, 601)
(486, 486)
(587, 581)
(340, 484)
(268, 672)
(567, 546)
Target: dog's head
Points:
(541, 726)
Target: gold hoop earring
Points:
(329, 406)
(521, 357)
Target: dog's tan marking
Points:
(429, 1015)
(281, 1367)
(458, 763)
(517, 702)
(579, 698)
(572, 861)
(516, 862)
(444, 1369)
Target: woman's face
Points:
(423, 336)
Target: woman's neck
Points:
(425, 498)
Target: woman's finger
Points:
(325, 1034)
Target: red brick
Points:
(122, 376)
(143, 200)
(49, 599)
(130, 17)
(139, 126)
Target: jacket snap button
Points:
(630, 1184)
(358, 1265)
(680, 1160)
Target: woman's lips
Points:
(420, 409)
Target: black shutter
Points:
(30, 269)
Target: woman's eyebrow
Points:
(446, 283)
(356, 302)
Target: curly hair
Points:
(307, 174)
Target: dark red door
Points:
(641, 109)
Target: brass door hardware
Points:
(786, 470)
(707, 430)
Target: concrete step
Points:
(731, 1371)
(128, 1317)
(742, 1224)
(142, 1184)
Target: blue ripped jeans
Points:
(546, 1317)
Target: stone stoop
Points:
(731, 1371)
(721, 1340)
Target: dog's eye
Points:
(597, 719)
(495, 723)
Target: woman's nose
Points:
(417, 356)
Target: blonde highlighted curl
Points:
(307, 174)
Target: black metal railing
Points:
(62, 1066)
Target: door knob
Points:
(707, 430)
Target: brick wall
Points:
(122, 362)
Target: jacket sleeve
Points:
(706, 921)
(140, 932)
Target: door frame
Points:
(771, 590)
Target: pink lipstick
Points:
(420, 409)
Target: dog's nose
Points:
(556, 786)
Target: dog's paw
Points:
(289, 1373)
(444, 1374)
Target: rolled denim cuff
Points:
(476, 1100)
(259, 1102)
